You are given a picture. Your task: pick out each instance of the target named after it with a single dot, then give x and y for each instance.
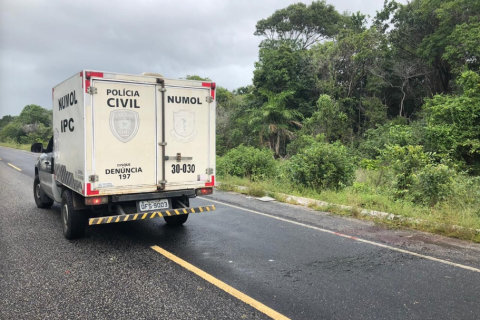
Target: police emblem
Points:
(183, 126)
(124, 124)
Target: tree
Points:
(422, 30)
(463, 49)
(343, 72)
(6, 120)
(401, 74)
(300, 25)
(282, 68)
(328, 120)
(33, 114)
(34, 124)
(273, 120)
(453, 122)
(232, 125)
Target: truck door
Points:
(124, 135)
(187, 135)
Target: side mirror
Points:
(37, 147)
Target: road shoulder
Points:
(450, 249)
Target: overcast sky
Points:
(43, 42)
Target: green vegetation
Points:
(321, 166)
(34, 124)
(382, 115)
(247, 162)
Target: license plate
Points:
(152, 205)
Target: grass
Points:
(454, 218)
(19, 146)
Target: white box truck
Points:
(125, 148)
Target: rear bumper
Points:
(149, 215)
(153, 195)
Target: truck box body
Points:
(122, 134)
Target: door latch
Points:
(178, 157)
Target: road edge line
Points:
(350, 237)
(222, 285)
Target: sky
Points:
(43, 42)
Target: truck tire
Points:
(41, 199)
(176, 221)
(74, 221)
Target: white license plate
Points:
(153, 205)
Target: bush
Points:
(453, 122)
(248, 162)
(322, 166)
(299, 143)
(389, 134)
(466, 193)
(404, 162)
(433, 184)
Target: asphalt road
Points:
(281, 255)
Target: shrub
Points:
(389, 134)
(299, 143)
(245, 161)
(322, 166)
(404, 162)
(466, 192)
(434, 183)
(453, 122)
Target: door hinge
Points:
(209, 99)
(92, 90)
(93, 178)
(209, 171)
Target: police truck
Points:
(126, 148)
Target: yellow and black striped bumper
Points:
(149, 215)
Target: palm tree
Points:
(274, 120)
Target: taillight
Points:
(95, 201)
(204, 191)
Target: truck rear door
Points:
(124, 135)
(187, 135)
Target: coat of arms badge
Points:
(124, 124)
(183, 126)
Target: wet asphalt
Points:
(300, 272)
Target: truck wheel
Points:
(74, 221)
(41, 199)
(175, 221)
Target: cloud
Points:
(46, 41)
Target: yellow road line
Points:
(222, 285)
(11, 165)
